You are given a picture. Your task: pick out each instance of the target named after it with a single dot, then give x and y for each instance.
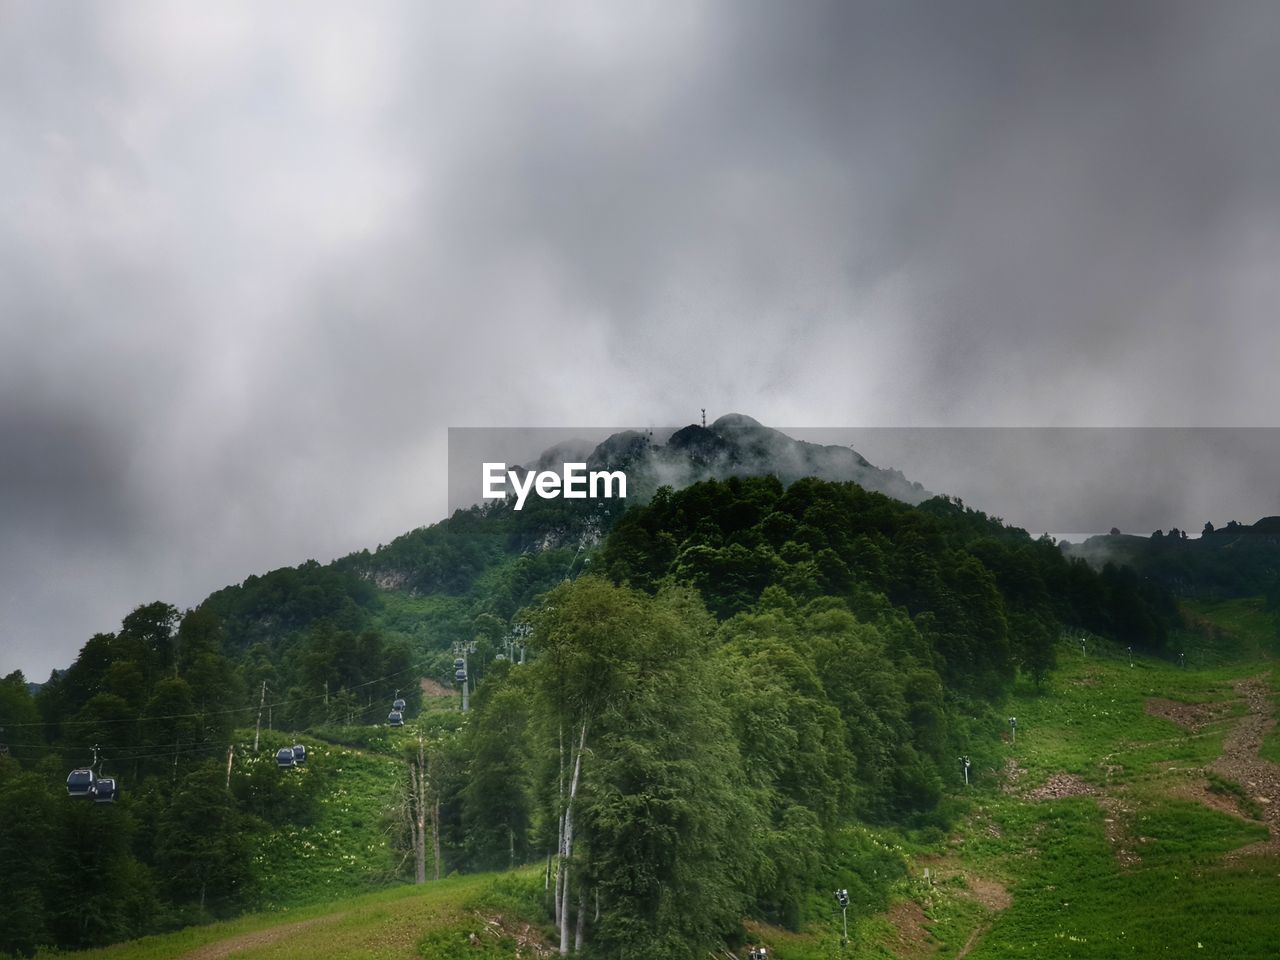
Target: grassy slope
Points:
(1239, 629)
(1135, 867)
(347, 845)
(433, 921)
(1073, 896)
(1249, 631)
(345, 848)
(1026, 877)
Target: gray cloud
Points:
(254, 260)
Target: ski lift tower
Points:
(461, 674)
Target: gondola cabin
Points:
(80, 782)
(460, 676)
(398, 705)
(395, 718)
(105, 790)
(459, 663)
(299, 754)
(284, 758)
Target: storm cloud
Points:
(255, 259)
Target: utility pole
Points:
(231, 752)
(261, 703)
(842, 898)
(435, 834)
(965, 763)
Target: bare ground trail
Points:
(995, 898)
(1240, 762)
(258, 938)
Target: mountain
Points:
(450, 557)
(763, 668)
(734, 445)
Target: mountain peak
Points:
(736, 421)
(739, 445)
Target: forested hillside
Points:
(726, 693)
(1235, 560)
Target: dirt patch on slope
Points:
(990, 893)
(1192, 716)
(909, 940)
(1116, 819)
(1198, 792)
(1012, 774)
(1240, 762)
(1060, 786)
(434, 688)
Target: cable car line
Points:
(219, 713)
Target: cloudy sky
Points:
(256, 258)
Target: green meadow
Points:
(475, 916)
(1093, 836)
(1099, 827)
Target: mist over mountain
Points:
(734, 445)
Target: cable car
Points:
(398, 704)
(105, 790)
(460, 676)
(299, 754)
(395, 718)
(459, 663)
(80, 782)
(284, 758)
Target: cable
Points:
(126, 754)
(217, 713)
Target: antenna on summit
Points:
(704, 418)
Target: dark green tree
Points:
(497, 807)
(201, 853)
